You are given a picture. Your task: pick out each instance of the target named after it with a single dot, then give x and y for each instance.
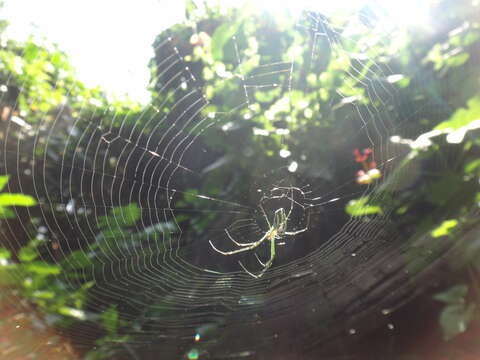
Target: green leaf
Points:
(10, 274)
(27, 254)
(220, 37)
(444, 228)
(121, 216)
(456, 315)
(110, 320)
(113, 234)
(457, 60)
(267, 96)
(472, 166)
(462, 116)
(454, 319)
(3, 181)
(16, 200)
(403, 83)
(43, 294)
(42, 268)
(5, 254)
(455, 294)
(6, 213)
(470, 38)
(76, 260)
(72, 312)
(360, 207)
(190, 7)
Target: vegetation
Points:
(385, 124)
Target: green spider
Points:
(275, 231)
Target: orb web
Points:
(123, 205)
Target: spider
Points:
(275, 231)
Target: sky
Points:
(108, 41)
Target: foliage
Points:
(360, 207)
(38, 79)
(444, 228)
(8, 199)
(322, 112)
(50, 286)
(457, 313)
(43, 283)
(463, 116)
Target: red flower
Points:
(362, 156)
(370, 171)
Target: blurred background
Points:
(142, 143)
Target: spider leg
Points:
(260, 261)
(266, 266)
(245, 248)
(248, 272)
(236, 242)
(290, 233)
(265, 216)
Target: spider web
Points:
(162, 271)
